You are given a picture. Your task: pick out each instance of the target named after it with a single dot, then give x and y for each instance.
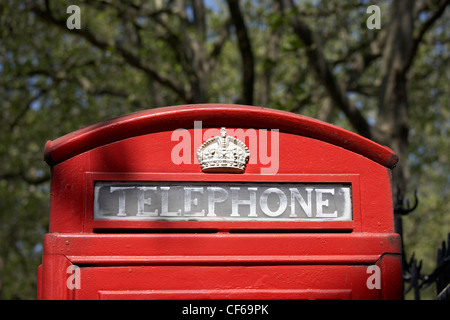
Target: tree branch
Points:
(28, 179)
(199, 19)
(103, 44)
(321, 67)
(271, 57)
(248, 68)
(425, 27)
(26, 107)
(217, 47)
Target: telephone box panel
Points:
(219, 202)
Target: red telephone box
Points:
(219, 202)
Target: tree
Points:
(317, 58)
(397, 49)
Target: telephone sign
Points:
(221, 201)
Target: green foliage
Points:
(134, 55)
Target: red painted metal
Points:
(214, 115)
(218, 259)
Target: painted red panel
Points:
(213, 115)
(301, 159)
(226, 282)
(219, 259)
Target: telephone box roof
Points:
(212, 115)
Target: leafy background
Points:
(312, 57)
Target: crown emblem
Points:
(223, 154)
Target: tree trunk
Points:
(270, 61)
(393, 118)
(245, 48)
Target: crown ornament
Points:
(223, 154)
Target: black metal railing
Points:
(413, 278)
